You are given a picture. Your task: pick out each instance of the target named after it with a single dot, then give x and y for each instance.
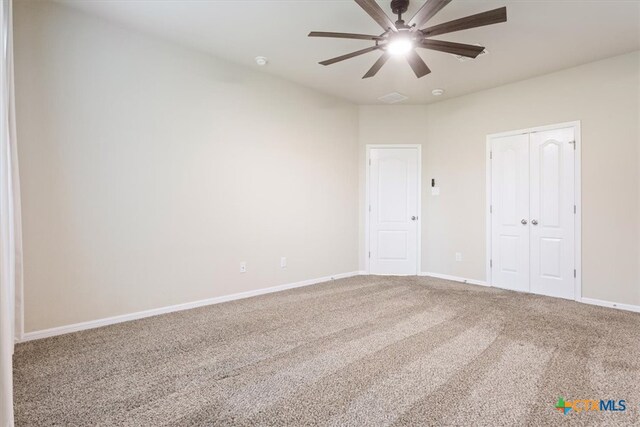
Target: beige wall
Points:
(149, 172)
(604, 96)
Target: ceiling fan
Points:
(402, 38)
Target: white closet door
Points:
(552, 213)
(510, 212)
(393, 218)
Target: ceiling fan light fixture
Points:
(403, 39)
(400, 46)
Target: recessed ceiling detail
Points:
(402, 39)
(393, 98)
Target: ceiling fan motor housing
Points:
(398, 7)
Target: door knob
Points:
(523, 222)
(414, 218)
(534, 222)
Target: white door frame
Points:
(577, 193)
(367, 164)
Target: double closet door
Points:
(533, 212)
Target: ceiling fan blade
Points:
(417, 64)
(378, 15)
(350, 55)
(376, 67)
(343, 35)
(468, 50)
(481, 19)
(427, 11)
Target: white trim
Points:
(577, 196)
(390, 275)
(61, 330)
(589, 301)
(609, 304)
(488, 211)
(577, 226)
(29, 336)
(455, 278)
(368, 148)
(536, 129)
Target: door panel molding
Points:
(552, 201)
(577, 191)
(510, 202)
(367, 221)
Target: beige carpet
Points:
(365, 351)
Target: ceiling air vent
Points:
(393, 98)
(465, 59)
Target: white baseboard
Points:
(591, 301)
(601, 303)
(454, 278)
(45, 333)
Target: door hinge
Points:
(574, 273)
(490, 155)
(575, 209)
(490, 208)
(491, 263)
(369, 254)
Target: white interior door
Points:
(552, 212)
(510, 212)
(393, 210)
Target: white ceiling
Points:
(540, 37)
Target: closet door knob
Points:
(534, 222)
(523, 222)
